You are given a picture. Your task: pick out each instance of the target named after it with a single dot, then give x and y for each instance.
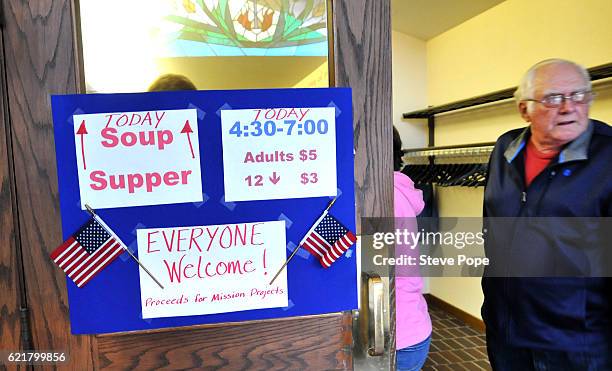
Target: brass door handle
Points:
(376, 323)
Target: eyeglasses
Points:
(556, 100)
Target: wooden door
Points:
(38, 45)
(11, 278)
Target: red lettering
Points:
(212, 236)
(164, 137)
(234, 267)
(184, 175)
(149, 234)
(159, 117)
(153, 180)
(192, 239)
(108, 133)
(171, 178)
(227, 228)
(180, 238)
(122, 117)
(219, 265)
(253, 234)
(248, 262)
(134, 181)
(117, 185)
(187, 266)
(174, 273)
(147, 141)
(206, 269)
(241, 235)
(97, 176)
(180, 269)
(128, 139)
(282, 113)
(132, 120)
(147, 118)
(168, 245)
(110, 117)
(304, 112)
(200, 267)
(292, 113)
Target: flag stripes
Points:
(328, 240)
(86, 253)
(108, 257)
(338, 249)
(315, 245)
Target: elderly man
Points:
(560, 167)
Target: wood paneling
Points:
(362, 37)
(289, 344)
(9, 274)
(39, 61)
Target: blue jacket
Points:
(567, 313)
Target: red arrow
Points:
(187, 130)
(82, 131)
(274, 179)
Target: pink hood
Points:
(413, 324)
(408, 200)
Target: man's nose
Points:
(567, 105)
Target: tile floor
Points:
(454, 345)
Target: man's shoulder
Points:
(508, 137)
(601, 128)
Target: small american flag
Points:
(86, 252)
(328, 240)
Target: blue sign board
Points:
(111, 301)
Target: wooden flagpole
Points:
(110, 231)
(303, 238)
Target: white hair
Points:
(525, 88)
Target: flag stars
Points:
(92, 236)
(330, 229)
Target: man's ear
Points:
(522, 106)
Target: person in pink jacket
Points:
(413, 324)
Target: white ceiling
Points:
(425, 19)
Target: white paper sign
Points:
(279, 153)
(138, 158)
(212, 269)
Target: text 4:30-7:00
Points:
(270, 128)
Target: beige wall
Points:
(409, 61)
(490, 52)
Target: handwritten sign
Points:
(279, 153)
(138, 158)
(212, 269)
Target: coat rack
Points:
(466, 150)
(446, 166)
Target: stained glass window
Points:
(247, 27)
(128, 43)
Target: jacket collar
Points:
(574, 151)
